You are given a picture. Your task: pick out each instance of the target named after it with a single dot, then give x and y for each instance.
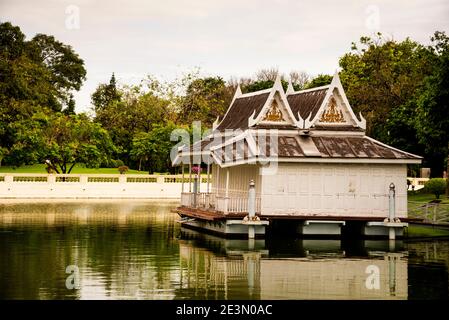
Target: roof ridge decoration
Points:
(272, 111)
(308, 90)
(290, 88)
(333, 115)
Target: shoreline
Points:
(92, 200)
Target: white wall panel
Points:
(334, 189)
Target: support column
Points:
(227, 192)
(217, 182)
(227, 182)
(251, 209)
(182, 183)
(190, 177)
(208, 178)
(391, 211)
(199, 179)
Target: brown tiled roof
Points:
(357, 147)
(295, 146)
(337, 128)
(233, 152)
(241, 110)
(306, 103)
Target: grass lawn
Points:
(417, 199)
(426, 231)
(40, 168)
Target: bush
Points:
(118, 163)
(123, 169)
(437, 186)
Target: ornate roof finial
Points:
(290, 88)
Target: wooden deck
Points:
(212, 215)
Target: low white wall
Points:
(48, 186)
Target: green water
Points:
(136, 250)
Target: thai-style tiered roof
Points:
(313, 125)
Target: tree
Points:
(382, 76)
(3, 153)
(299, 79)
(205, 100)
(268, 74)
(153, 148)
(35, 76)
(105, 95)
(65, 67)
(432, 106)
(70, 109)
(318, 81)
(61, 141)
(436, 186)
(138, 110)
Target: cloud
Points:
(135, 37)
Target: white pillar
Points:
(199, 178)
(251, 200)
(190, 176)
(227, 182)
(208, 177)
(391, 211)
(217, 180)
(227, 192)
(182, 183)
(391, 196)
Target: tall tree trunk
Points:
(140, 164)
(71, 167)
(447, 172)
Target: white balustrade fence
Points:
(49, 186)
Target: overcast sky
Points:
(228, 38)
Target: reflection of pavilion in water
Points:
(216, 268)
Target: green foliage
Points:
(432, 106)
(36, 76)
(153, 148)
(205, 100)
(436, 186)
(318, 81)
(265, 84)
(62, 140)
(105, 95)
(401, 89)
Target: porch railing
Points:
(230, 204)
(200, 200)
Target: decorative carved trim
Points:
(274, 113)
(332, 114)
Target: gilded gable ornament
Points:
(332, 114)
(274, 113)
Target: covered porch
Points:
(222, 190)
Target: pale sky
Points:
(167, 38)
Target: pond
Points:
(136, 250)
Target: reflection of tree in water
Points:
(131, 250)
(428, 269)
(121, 252)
